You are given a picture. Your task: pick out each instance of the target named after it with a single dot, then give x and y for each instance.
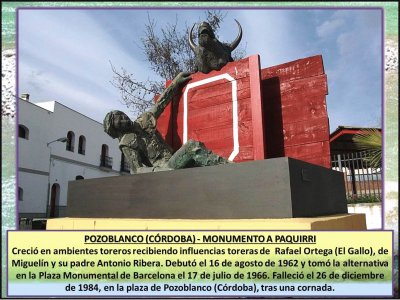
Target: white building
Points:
(56, 145)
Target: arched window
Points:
(20, 194)
(79, 177)
(54, 200)
(23, 132)
(70, 141)
(105, 160)
(82, 145)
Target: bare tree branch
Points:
(168, 53)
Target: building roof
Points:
(341, 140)
(51, 107)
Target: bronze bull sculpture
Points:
(211, 54)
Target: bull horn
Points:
(236, 42)
(190, 38)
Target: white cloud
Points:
(346, 43)
(64, 56)
(270, 34)
(329, 27)
(73, 43)
(352, 64)
(65, 53)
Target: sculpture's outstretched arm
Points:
(170, 93)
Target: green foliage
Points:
(370, 140)
(364, 199)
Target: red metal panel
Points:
(164, 124)
(301, 68)
(285, 115)
(305, 132)
(220, 139)
(316, 85)
(245, 154)
(315, 153)
(210, 111)
(295, 110)
(257, 108)
(208, 106)
(312, 149)
(221, 114)
(212, 94)
(313, 108)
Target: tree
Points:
(168, 53)
(370, 140)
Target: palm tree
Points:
(370, 139)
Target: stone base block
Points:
(336, 222)
(272, 188)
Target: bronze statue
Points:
(211, 54)
(143, 146)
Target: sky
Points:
(64, 54)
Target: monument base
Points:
(335, 222)
(264, 189)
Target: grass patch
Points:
(364, 199)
